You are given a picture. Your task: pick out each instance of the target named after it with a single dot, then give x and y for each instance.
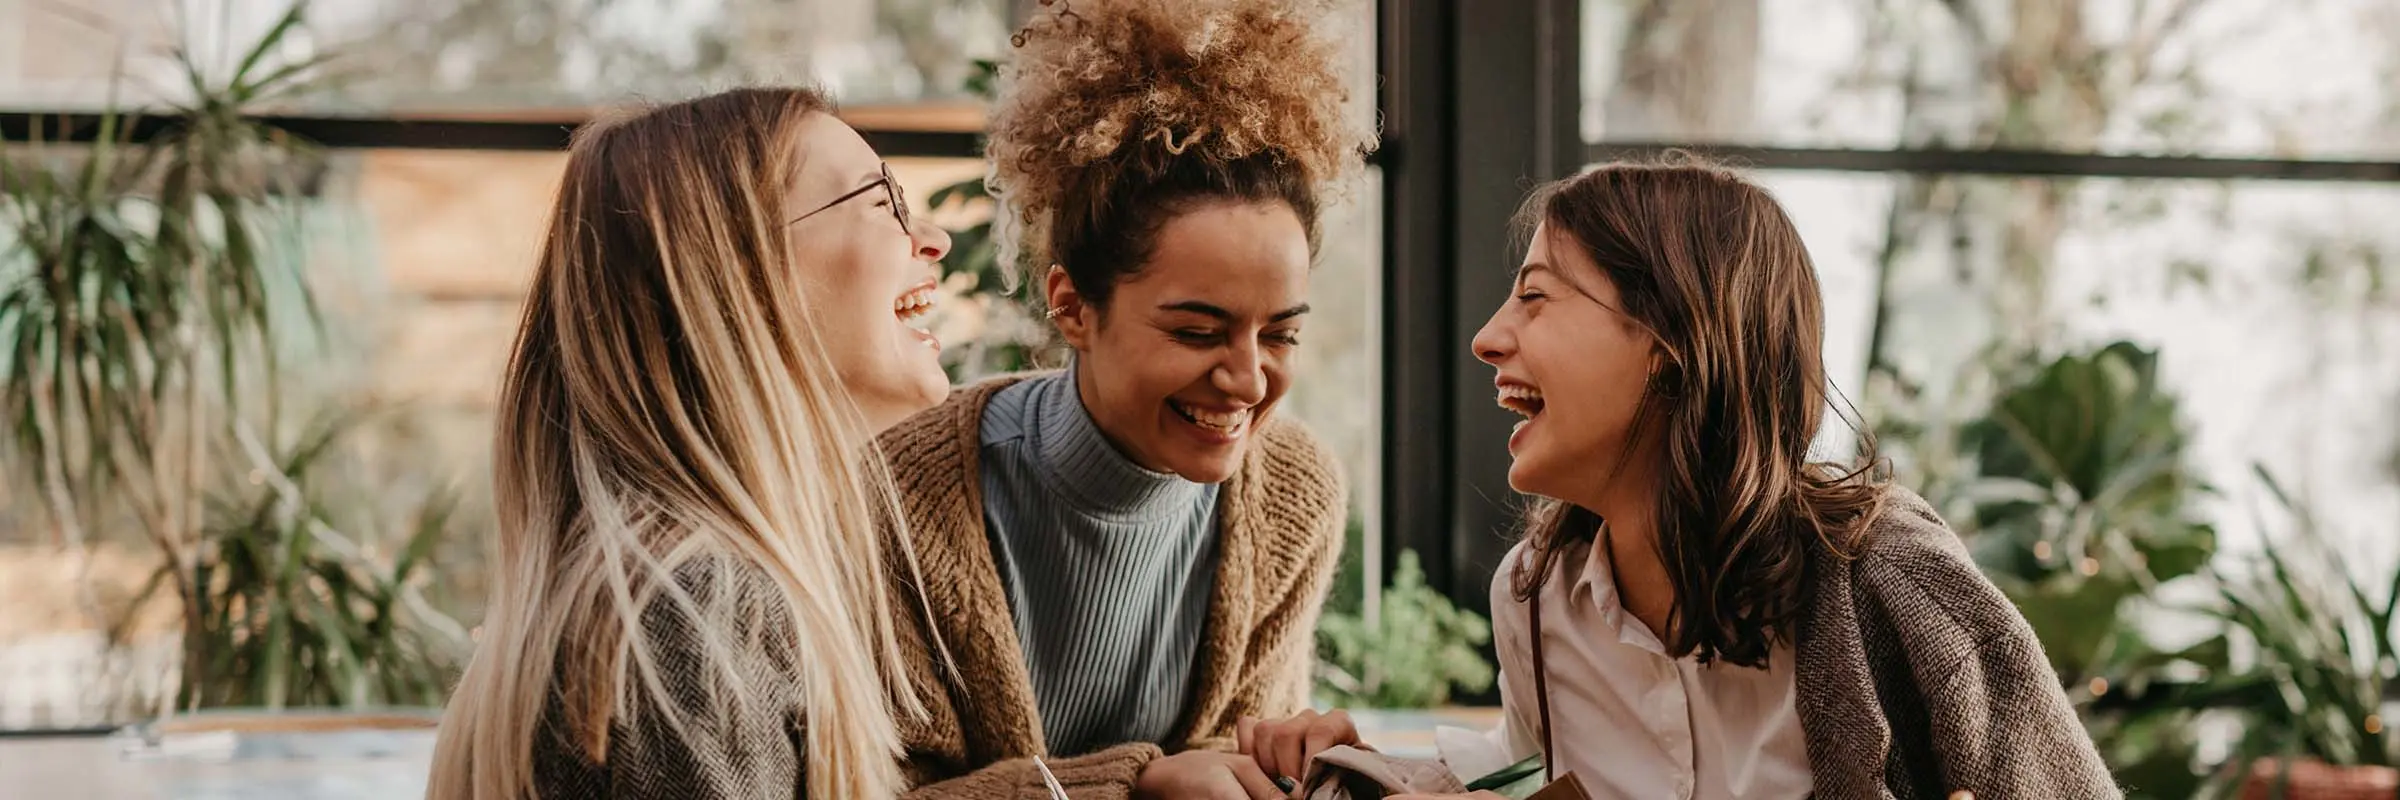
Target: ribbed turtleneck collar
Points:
(1086, 468)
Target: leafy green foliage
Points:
(142, 289)
(1411, 656)
(2080, 503)
(2322, 656)
(293, 612)
(2085, 458)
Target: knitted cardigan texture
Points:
(1281, 519)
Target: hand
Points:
(1205, 775)
(1474, 796)
(1284, 747)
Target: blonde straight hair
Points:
(670, 415)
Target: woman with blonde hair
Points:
(690, 599)
(1127, 556)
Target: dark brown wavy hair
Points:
(1711, 265)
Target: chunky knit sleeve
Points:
(1105, 775)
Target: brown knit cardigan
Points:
(1280, 526)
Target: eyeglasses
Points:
(891, 191)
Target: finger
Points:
(1340, 721)
(1264, 747)
(1242, 733)
(1329, 730)
(1294, 743)
(1291, 750)
(1255, 784)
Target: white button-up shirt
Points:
(1626, 719)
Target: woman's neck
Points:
(1644, 586)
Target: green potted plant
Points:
(2311, 693)
(148, 291)
(1409, 655)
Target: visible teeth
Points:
(1223, 421)
(1524, 400)
(914, 304)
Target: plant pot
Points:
(2316, 780)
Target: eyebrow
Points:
(1529, 269)
(1211, 310)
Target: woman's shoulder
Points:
(1918, 570)
(1903, 530)
(945, 431)
(1290, 463)
(1288, 451)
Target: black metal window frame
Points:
(436, 133)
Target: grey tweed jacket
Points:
(757, 750)
(1918, 679)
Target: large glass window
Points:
(2274, 308)
(2250, 78)
(511, 58)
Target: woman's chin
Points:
(933, 390)
(1527, 477)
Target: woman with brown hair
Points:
(1126, 557)
(689, 600)
(1697, 609)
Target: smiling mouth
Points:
(1524, 400)
(1228, 423)
(914, 308)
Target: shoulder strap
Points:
(1541, 678)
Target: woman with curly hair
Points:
(1125, 557)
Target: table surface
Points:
(380, 764)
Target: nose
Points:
(1494, 342)
(930, 241)
(1242, 375)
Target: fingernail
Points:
(1286, 784)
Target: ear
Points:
(1072, 316)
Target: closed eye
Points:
(1194, 336)
(1530, 296)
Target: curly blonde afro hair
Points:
(1115, 115)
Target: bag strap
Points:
(1541, 679)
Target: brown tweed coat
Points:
(756, 751)
(1918, 679)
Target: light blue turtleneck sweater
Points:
(1109, 568)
